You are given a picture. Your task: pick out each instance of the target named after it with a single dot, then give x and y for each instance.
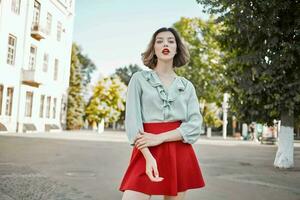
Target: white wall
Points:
(11, 76)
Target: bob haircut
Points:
(181, 57)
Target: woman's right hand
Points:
(151, 169)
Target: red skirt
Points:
(176, 163)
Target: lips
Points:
(165, 51)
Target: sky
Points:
(114, 33)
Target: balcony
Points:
(29, 77)
(37, 32)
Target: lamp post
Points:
(225, 111)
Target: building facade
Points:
(35, 54)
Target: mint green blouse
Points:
(148, 100)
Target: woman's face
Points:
(165, 46)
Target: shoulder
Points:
(135, 77)
(188, 85)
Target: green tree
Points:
(211, 118)
(205, 69)
(262, 38)
(126, 72)
(107, 101)
(87, 67)
(75, 106)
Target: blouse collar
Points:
(178, 86)
(153, 78)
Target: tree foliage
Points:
(126, 72)
(80, 76)
(205, 69)
(75, 107)
(262, 41)
(107, 101)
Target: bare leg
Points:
(180, 196)
(133, 195)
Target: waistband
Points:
(159, 127)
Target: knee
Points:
(180, 196)
(133, 195)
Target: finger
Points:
(142, 145)
(154, 179)
(138, 136)
(140, 139)
(147, 144)
(150, 175)
(156, 173)
(137, 139)
(155, 170)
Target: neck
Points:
(164, 67)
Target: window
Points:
(36, 14)
(9, 101)
(32, 58)
(45, 63)
(55, 69)
(48, 107)
(15, 6)
(11, 51)
(1, 97)
(59, 29)
(49, 23)
(42, 106)
(28, 104)
(54, 108)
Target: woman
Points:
(162, 121)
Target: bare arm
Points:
(170, 136)
(145, 139)
(151, 166)
(146, 153)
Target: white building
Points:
(35, 53)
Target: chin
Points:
(169, 58)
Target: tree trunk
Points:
(285, 152)
(208, 132)
(101, 126)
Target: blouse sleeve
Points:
(133, 113)
(191, 128)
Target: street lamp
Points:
(225, 111)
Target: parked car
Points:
(269, 135)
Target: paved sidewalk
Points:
(120, 136)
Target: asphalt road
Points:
(53, 169)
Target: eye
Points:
(158, 41)
(172, 41)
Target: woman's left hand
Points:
(145, 139)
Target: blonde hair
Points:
(181, 58)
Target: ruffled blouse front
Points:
(149, 101)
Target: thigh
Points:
(133, 195)
(180, 196)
